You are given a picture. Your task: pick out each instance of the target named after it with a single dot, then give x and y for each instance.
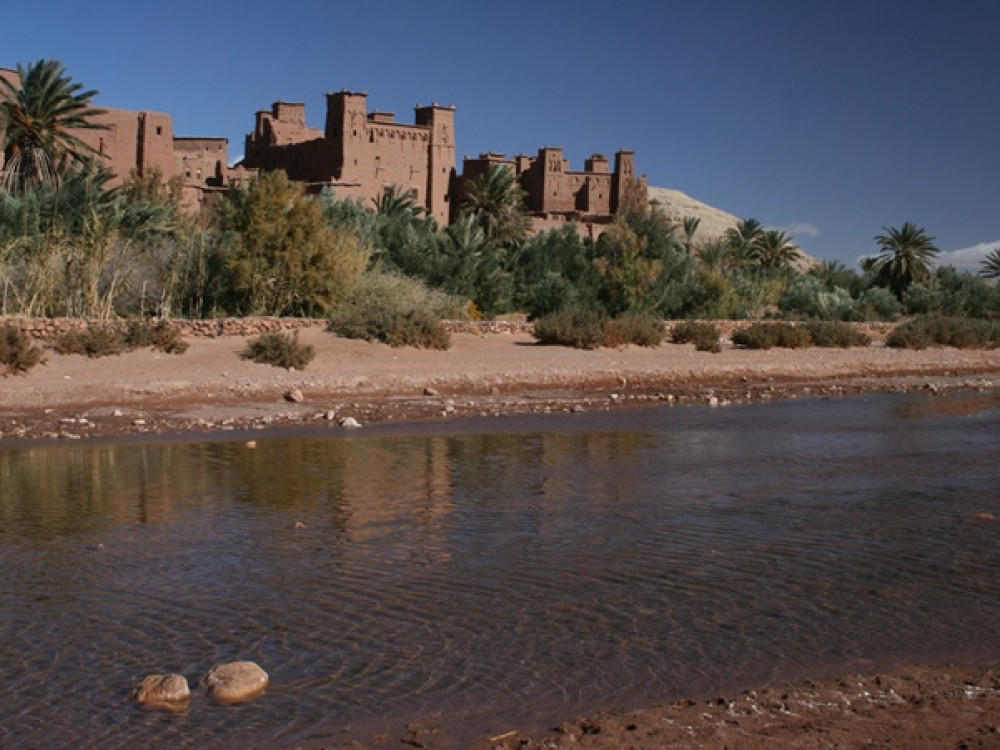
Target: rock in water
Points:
(162, 690)
(234, 681)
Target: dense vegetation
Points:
(72, 245)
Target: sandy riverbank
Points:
(211, 388)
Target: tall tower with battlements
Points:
(441, 158)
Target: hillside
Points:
(714, 221)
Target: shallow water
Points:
(509, 571)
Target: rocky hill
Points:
(714, 221)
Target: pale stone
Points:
(295, 396)
(234, 681)
(162, 689)
(431, 392)
(350, 422)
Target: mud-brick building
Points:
(143, 143)
(555, 194)
(360, 154)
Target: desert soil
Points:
(210, 388)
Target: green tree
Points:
(279, 254)
(743, 240)
(991, 264)
(497, 201)
(38, 118)
(691, 224)
(773, 250)
(906, 257)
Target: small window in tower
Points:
(159, 130)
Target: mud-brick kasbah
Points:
(361, 153)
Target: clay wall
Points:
(554, 194)
(202, 161)
(11, 77)
(359, 153)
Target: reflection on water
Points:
(540, 568)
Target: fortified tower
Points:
(622, 178)
(347, 135)
(440, 158)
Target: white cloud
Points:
(800, 229)
(967, 258)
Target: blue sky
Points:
(828, 119)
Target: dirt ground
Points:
(211, 388)
(909, 708)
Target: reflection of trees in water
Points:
(53, 490)
(360, 489)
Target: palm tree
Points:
(38, 118)
(774, 250)
(690, 227)
(743, 239)
(906, 257)
(991, 264)
(397, 203)
(497, 201)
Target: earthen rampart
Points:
(362, 154)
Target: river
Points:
(506, 572)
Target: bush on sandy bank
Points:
(769, 335)
(823, 333)
(100, 340)
(934, 330)
(835, 334)
(17, 355)
(704, 336)
(397, 311)
(585, 328)
(280, 350)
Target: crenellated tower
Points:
(440, 159)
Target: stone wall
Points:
(44, 329)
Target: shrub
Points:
(810, 297)
(99, 340)
(279, 349)
(828, 333)
(934, 330)
(92, 341)
(704, 336)
(17, 354)
(581, 328)
(398, 311)
(634, 328)
(878, 303)
(161, 335)
(393, 327)
(768, 335)
(584, 328)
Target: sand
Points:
(211, 388)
